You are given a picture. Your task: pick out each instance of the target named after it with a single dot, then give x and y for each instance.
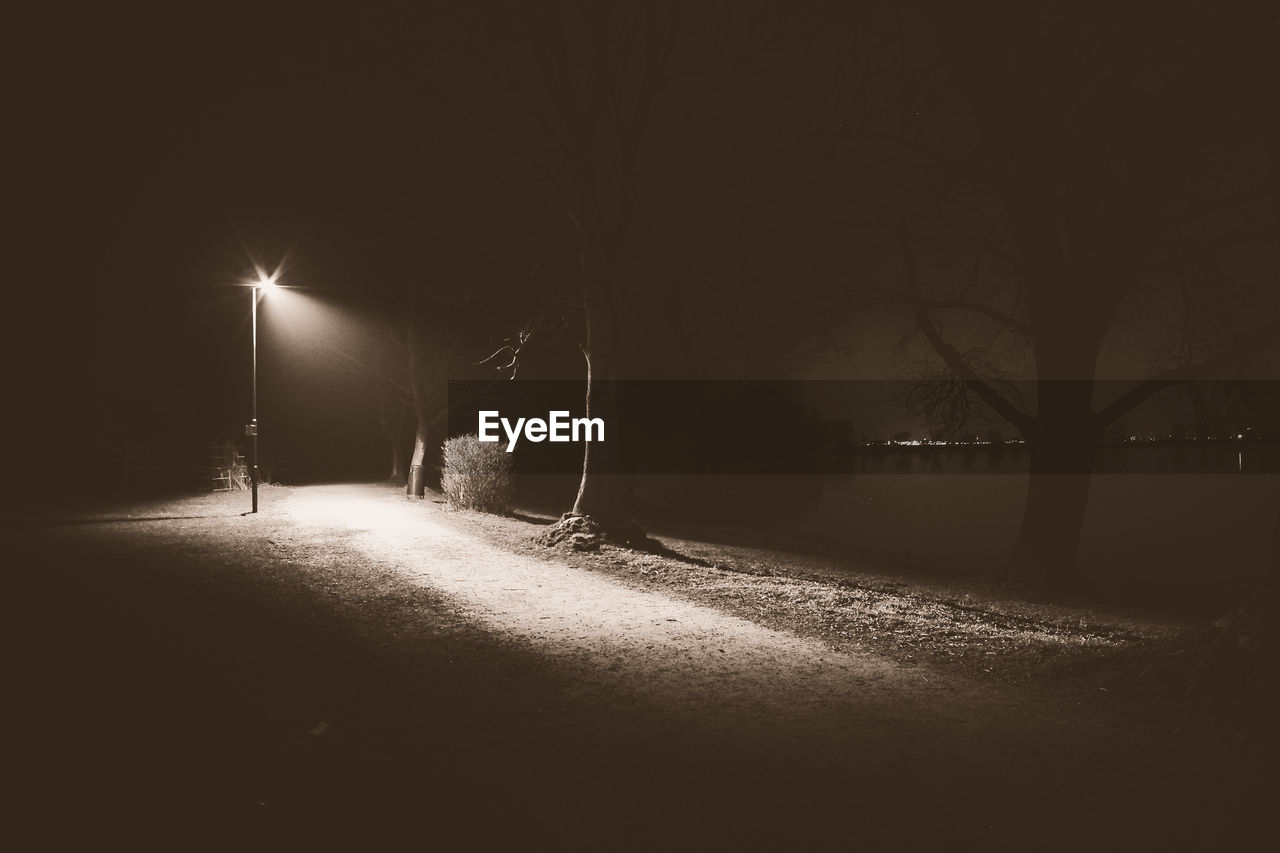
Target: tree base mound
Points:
(588, 533)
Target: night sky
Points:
(160, 151)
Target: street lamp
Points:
(259, 289)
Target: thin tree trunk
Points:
(586, 485)
(399, 460)
(421, 416)
(604, 492)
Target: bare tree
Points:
(596, 105)
(1084, 171)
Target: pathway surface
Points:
(352, 657)
(732, 674)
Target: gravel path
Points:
(734, 674)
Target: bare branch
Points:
(954, 360)
(1233, 355)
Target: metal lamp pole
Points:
(253, 423)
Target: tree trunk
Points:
(399, 461)
(419, 449)
(1052, 523)
(421, 415)
(605, 490)
(394, 428)
(1063, 446)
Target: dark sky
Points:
(160, 148)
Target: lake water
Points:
(1206, 458)
(1176, 528)
(1172, 515)
(1169, 515)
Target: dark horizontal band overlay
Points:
(869, 426)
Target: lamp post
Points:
(258, 290)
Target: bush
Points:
(476, 475)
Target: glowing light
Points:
(264, 282)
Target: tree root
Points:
(588, 533)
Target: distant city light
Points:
(1250, 434)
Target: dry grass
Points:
(977, 628)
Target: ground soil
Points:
(348, 661)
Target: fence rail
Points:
(151, 467)
(229, 471)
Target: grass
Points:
(1146, 659)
